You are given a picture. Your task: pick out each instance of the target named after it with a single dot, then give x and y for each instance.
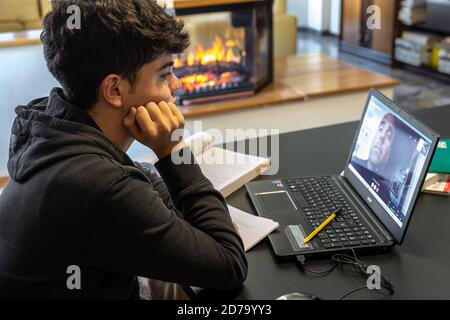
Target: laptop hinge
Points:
(348, 190)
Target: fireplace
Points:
(230, 53)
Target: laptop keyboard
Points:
(319, 198)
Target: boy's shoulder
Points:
(93, 173)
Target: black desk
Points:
(418, 269)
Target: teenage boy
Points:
(76, 204)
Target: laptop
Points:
(375, 195)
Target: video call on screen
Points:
(388, 159)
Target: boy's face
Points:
(155, 83)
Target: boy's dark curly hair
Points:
(115, 36)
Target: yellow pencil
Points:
(323, 225)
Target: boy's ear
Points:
(112, 90)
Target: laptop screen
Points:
(389, 159)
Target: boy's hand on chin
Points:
(153, 125)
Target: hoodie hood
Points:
(50, 130)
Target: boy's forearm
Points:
(179, 177)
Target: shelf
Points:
(425, 28)
(426, 71)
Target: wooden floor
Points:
(301, 77)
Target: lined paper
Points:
(252, 228)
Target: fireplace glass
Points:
(230, 53)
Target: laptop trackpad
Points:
(275, 202)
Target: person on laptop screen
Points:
(373, 168)
(386, 156)
(78, 218)
(381, 147)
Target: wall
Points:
(318, 15)
(335, 17)
(24, 76)
(299, 9)
(315, 15)
(326, 11)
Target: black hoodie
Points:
(74, 198)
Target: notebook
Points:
(252, 229)
(227, 170)
(436, 183)
(441, 159)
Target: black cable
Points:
(325, 272)
(342, 260)
(351, 292)
(301, 260)
(361, 267)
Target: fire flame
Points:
(195, 80)
(221, 51)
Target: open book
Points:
(252, 229)
(227, 170)
(437, 184)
